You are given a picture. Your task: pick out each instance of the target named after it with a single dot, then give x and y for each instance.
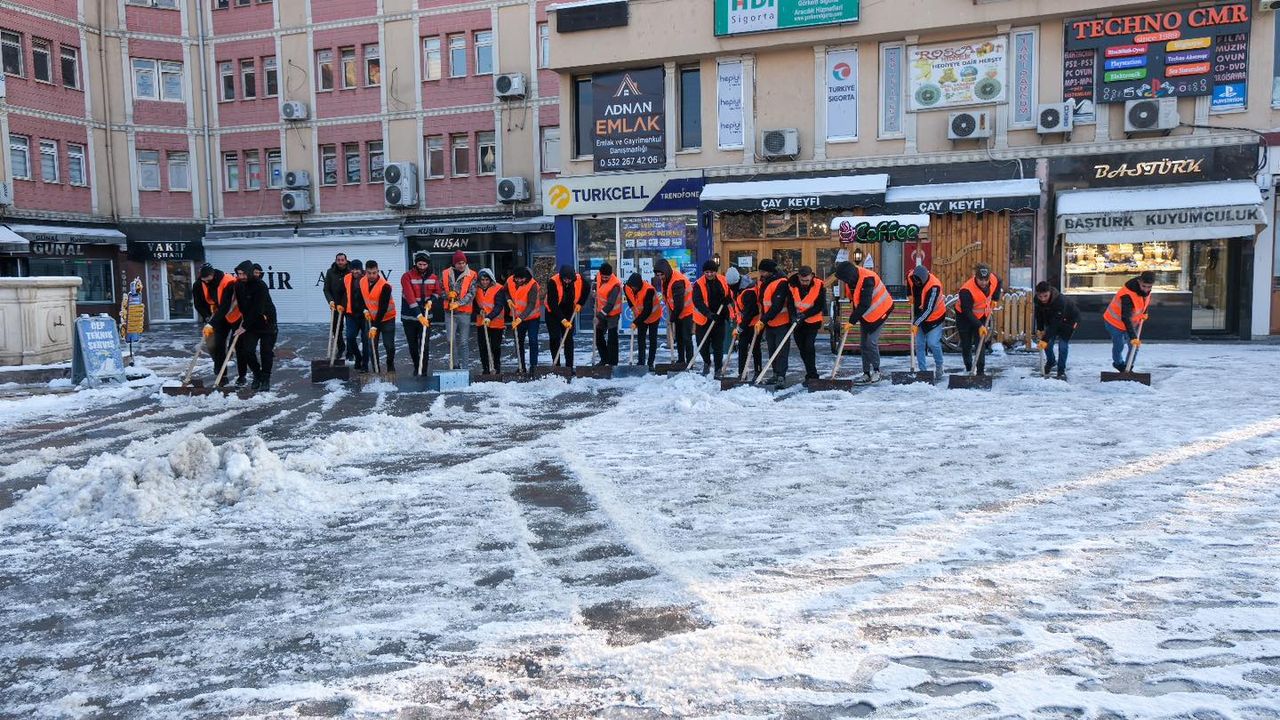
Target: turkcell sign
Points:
(747, 16)
(628, 192)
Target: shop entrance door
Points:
(1211, 291)
(168, 291)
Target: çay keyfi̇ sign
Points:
(746, 16)
(629, 132)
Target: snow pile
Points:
(193, 480)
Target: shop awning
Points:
(829, 193)
(475, 227)
(70, 233)
(12, 242)
(879, 228)
(1194, 211)
(965, 197)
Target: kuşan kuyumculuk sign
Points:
(956, 74)
(747, 16)
(629, 130)
(879, 228)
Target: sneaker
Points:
(240, 381)
(938, 374)
(875, 375)
(706, 370)
(1118, 366)
(256, 385)
(1048, 367)
(1062, 374)
(865, 379)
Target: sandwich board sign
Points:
(96, 356)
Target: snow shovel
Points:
(523, 374)
(334, 367)
(594, 371)
(189, 386)
(493, 359)
(556, 368)
(421, 382)
(697, 352)
(971, 380)
(830, 382)
(916, 375)
(1128, 375)
(631, 370)
(231, 353)
(673, 364)
(776, 351)
(730, 383)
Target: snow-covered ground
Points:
(651, 548)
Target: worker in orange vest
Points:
(213, 298)
(491, 309)
(676, 291)
(353, 317)
(526, 313)
(810, 300)
(566, 293)
(711, 303)
(871, 305)
(379, 312)
(608, 314)
(774, 320)
(459, 285)
(978, 297)
(746, 300)
(646, 313)
(1125, 315)
(929, 313)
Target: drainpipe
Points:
(204, 98)
(106, 99)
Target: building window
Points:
(226, 71)
(487, 153)
(231, 170)
(324, 69)
(49, 161)
(242, 3)
(349, 72)
(71, 67)
(179, 171)
(550, 149)
(484, 52)
(351, 162)
(41, 60)
(223, 4)
(1022, 237)
(148, 169)
(372, 65)
(690, 108)
(270, 78)
(275, 169)
(329, 164)
(544, 45)
(95, 275)
(457, 55)
(374, 149)
(171, 81)
(460, 147)
(11, 52)
(431, 58)
(435, 156)
(248, 79)
(252, 170)
(144, 80)
(75, 164)
(582, 117)
(20, 157)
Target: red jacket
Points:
(416, 290)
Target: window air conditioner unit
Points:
(293, 110)
(400, 184)
(297, 179)
(1055, 118)
(782, 144)
(6, 194)
(969, 125)
(295, 201)
(1151, 115)
(512, 190)
(509, 86)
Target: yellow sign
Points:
(560, 197)
(1189, 44)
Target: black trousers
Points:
(489, 342)
(683, 330)
(647, 339)
(557, 332)
(387, 334)
(969, 339)
(773, 336)
(337, 325)
(746, 338)
(247, 353)
(217, 345)
(713, 347)
(806, 337)
(267, 352)
(607, 343)
(413, 331)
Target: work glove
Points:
(487, 321)
(758, 326)
(424, 321)
(577, 309)
(1042, 345)
(982, 331)
(1143, 318)
(848, 328)
(567, 324)
(368, 315)
(453, 295)
(516, 323)
(208, 330)
(373, 333)
(453, 307)
(333, 306)
(341, 309)
(1136, 343)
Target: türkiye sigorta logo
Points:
(560, 197)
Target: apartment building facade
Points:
(1080, 146)
(192, 131)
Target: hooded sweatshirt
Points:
(1058, 317)
(254, 300)
(1126, 306)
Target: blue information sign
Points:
(96, 353)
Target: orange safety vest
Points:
(555, 280)
(940, 308)
(699, 318)
(881, 303)
(740, 306)
(520, 295)
(1140, 304)
(679, 277)
(766, 304)
(804, 303)
(373, 295)
(465, 287)
(602, 294)
(636, 301)
(233, 315)
(486, 299)
(981, 300)
(346, 283)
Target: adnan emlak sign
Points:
(630, 130)
(747, 16)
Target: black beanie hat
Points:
(522, 273)
(1148, 277)
(846, 272)
(356, 265)
(566, 273)
(606, 269)
(421, 257)
(710, 266)
(769, 266)
(635, 282)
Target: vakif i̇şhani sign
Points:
(630, 120)
(746, 16)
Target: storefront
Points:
(499, 244)
(94, 253)
(171, 255)
(294, 259)
(13, 248)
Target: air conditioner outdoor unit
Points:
(512, 190)
(509, 86)
(295, 201)
(782, 144)
(400, 188)
(1151, 115)
(1269, 5)
(969, 125)
(293, 110)
(1055, 118)
(6, 194)
(297, 179)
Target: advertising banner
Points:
(630, 121)
(729, 105)
(638, 192)
(746, 16)
(842, 95)
(1168, 53)
(972, 73)
(653, 233)
(1078, 83)
(96, 355)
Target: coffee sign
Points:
(904, 228)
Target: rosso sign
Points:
(886, 231)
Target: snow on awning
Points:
(829, 193)
(70, 233)
(1194, 211)
(963, 197)
(12, 242)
